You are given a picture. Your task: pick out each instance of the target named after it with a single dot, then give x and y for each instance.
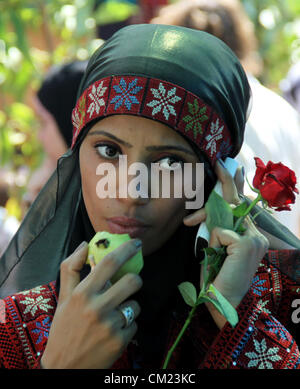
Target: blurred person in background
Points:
(290, 86)
(53, 105)
(273, 127)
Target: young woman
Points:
(155, 94)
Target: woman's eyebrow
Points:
(111, 136)
(162, 148)
(148, 148)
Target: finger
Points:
(251, 230)
(128, 333)
(221, 237)
(239, 179)
(230, 193)
(70, 270)
(109, 265)
(195, 218)
(250, 226)
(119, 292)
(106, 286)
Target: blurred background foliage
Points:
(277, 28)
(35, 34)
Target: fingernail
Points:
(92, 262)
(82, 244)
(221, 163)
(91, 258)
(137, 243)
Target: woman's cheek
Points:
(171, 212)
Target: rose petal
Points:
(275, 193)
(271, 190)
(282, 173)
(259, 174)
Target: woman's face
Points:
(142, 140)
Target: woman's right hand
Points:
(88, 328)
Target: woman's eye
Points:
(108, 151)
(170, 163)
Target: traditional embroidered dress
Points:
(192, 82)
(263, 338)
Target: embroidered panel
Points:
(31, 313)
(259, 340)
(158, 100)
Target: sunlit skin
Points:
(137, 138)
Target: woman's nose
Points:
(135, 190)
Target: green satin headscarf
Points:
(193, 60)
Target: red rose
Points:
(276, 183)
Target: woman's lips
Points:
(124, 225)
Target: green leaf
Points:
(224, 306)
(210, 250)
(240, 210)
(219, 212)
(19, 28)
(188, 292)
(241, 229)
(6, 149)
(114, 11)
(205, 272)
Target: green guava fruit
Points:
(104, 242)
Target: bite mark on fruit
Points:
(105, 243)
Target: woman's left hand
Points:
(244, 252)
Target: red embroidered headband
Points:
(157, 100)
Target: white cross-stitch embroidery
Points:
(38, 289)
(97, 99)
(216, 133)
(164, 101)
(261, 305)
(33, 304)
(264, 357)
(75, 119)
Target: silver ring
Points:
(128, 314)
